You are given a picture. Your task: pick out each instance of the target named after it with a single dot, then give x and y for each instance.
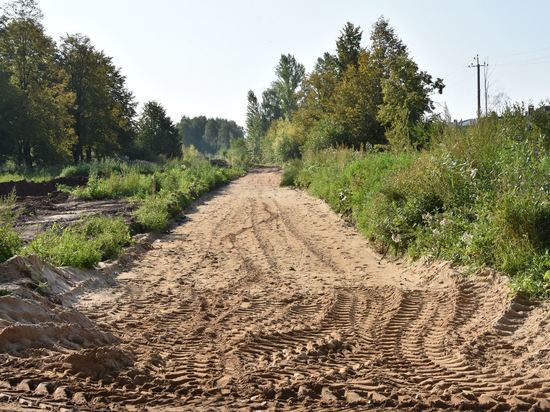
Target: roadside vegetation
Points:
(360, 132)
(66, 111)
(159, 191)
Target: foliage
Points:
(237, 154)
(82, 245)
(290, 172)
(10, 242)
(283, 139)
(357, 97)
(290, 74)
(104, 108)
(38, 91)
(479, 197)
(348, 46)
(156, 134)
(209, 135)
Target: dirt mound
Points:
(24, 188)
(36, 313)
(98, 363)
(265, 299)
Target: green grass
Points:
(479, 197)
(5, 292)
(36, 176)
(82, 245)
(10, 242)
(161, 191)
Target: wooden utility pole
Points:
(478, 66)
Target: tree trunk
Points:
(27, 157)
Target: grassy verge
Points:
(479, 197)
(84, 244)
(161, 191)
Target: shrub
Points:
(290, 172)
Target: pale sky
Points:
(202, 56)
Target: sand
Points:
(264, 299)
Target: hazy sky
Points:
(202, 56)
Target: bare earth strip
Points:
(265, 299)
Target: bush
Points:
(155, 212)
(290, 172)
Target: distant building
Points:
(531, 109)
(465, 123)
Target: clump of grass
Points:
(130, 183)
(10, 241)
(84, 244)
(81, 169)
(290, 172)
(5, 292)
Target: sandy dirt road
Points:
(265, 299)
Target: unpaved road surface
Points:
(265, 299)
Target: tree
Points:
(11, 116)
(405, 90)
(156, 134)
(29, 57)
(271, 106)
(290, 74)
(354, 104)
(104, 109)
(254, 127)
(348, 46)
(210, 136)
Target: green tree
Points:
(290, 74)
(11, 116)
(348, 46)
(29, 57)
(97, 113)
(255, 128)
(404, 91)
(354, 104)
(156, 134)
(271, 106)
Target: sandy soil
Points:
(38, 213)
(265, 299)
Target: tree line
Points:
(355, 96)
(209, 135)
(68, 102)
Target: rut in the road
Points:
(265, 298)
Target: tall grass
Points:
(478, 197)
(10, 242)
(84, 244)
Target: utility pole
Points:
(478, 66)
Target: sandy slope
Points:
(264, 298)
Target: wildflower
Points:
(473, 173)
(427, 217)
(444, 222)
(396, 237)
(467, 237)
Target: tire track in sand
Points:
(264, 299)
